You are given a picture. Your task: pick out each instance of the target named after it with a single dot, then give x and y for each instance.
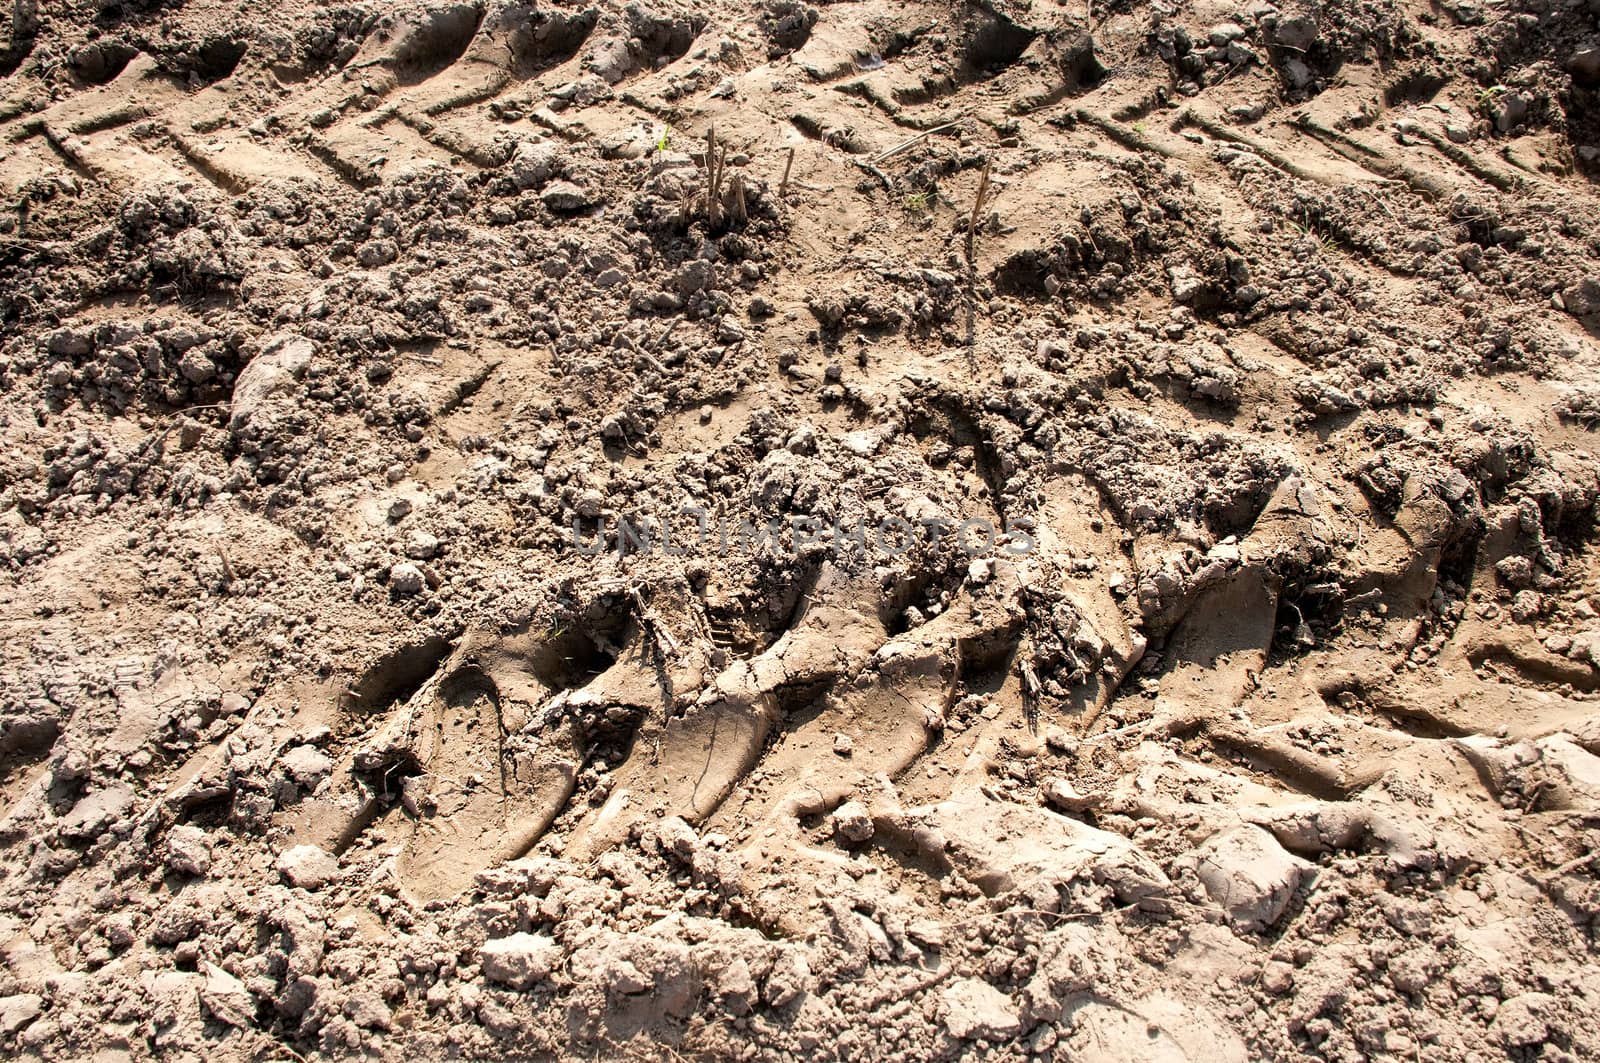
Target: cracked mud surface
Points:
(1266, 336)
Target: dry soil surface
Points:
(1150, 607)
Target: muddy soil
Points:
(873, 530)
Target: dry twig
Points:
(977, 209)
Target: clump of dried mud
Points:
(350, 355)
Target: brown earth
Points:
(1262, 338)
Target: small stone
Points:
(421, 545)
(1186, 283)
(1455, 486)
(843, 745)
(1224, 33)
(1277, 977)
(188, 850)
(852, 822)
(1583, 298)
(307, 867)
(406, 578)
(564, 196)
(1295, 32)
(519, 961)
(863, 442)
